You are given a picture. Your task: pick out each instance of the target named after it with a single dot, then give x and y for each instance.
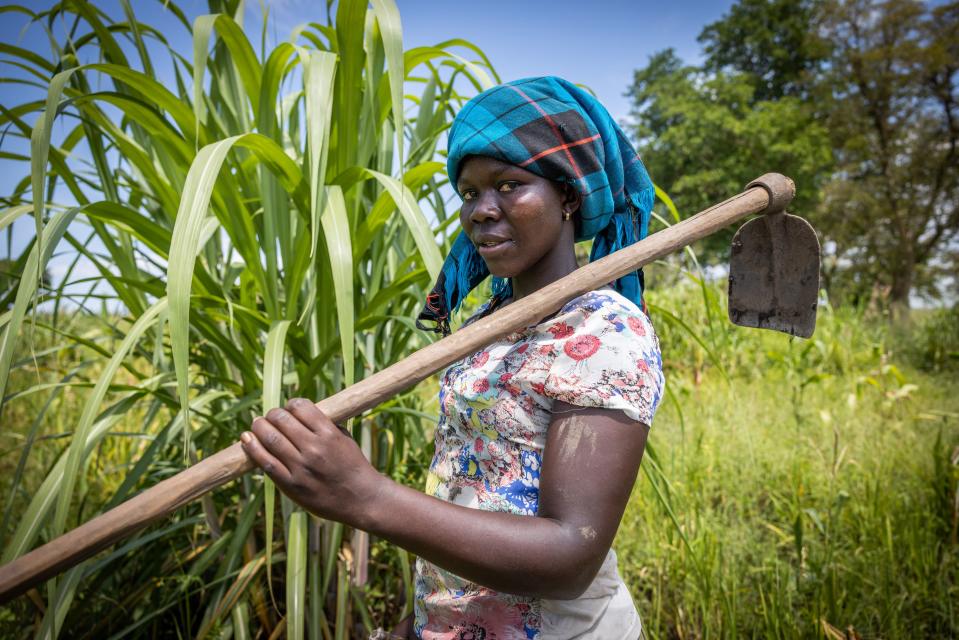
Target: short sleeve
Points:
(606, 355)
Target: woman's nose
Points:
(486, 207)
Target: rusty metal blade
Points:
(774, 275)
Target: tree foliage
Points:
(892, 207)
(770, 41)
(706, 135)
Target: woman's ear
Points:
(572, 199)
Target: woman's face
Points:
(515, 218)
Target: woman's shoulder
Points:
(606, 312)
(604, 354)
(606, 315)
(605, 299)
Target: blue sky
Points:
(598, 43)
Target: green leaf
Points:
(8, 216)
(242, 56)
(388, 17)
(273, 365)
(415, 221)
(40, 146)
(272, 379)
(296, 563)
(319, 71)
(670, 206)
(336, 231)
(36, 262)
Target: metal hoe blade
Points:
(774, 271)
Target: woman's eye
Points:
(508, 186)
(467, 195)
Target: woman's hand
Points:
(314, 462)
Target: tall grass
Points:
(255, 222)
(808, 490)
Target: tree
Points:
(705, 136)
(771, 42)
(893, 205)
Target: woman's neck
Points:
(536, 278)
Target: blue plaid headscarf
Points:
(556, 130)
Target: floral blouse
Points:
(599, 350)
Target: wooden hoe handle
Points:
(162, 499)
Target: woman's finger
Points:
(299, 435)
(274, 441)
(310, 415)
(264, 459)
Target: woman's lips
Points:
(493, 249)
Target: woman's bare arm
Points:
(589, 467)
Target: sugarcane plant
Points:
(256, 224)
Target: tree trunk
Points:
(899, 293)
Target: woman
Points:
(540, 434)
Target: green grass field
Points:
(813, 493)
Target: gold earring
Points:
(567, 215)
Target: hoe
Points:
(773, 284)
